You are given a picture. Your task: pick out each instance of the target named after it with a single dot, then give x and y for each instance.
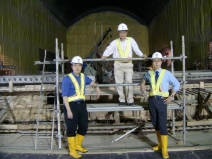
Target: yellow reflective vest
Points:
(156, 87)
(78, 89)
(124, 54)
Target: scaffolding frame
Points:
(58, 61)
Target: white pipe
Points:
(172, 55)
(172, 70)
(113, 59)
(125, 134)
(184, 91)
(62, 58)
(57, 94)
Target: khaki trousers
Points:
(123, 74)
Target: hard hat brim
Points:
(157, 58)
(76, 63)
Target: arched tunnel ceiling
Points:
(70, 11)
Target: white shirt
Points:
(113, 48)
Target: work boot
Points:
(158, 147)
(164, 142)
(79, 139)
(122, 104)
(131, 104)
(72, 148)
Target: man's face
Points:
(123, 34)
(156, 63)
(77, 68)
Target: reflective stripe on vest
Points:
(123, 54)
(79, 90)
(156, 87)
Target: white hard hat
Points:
(122, 26)
(157, 55)
(76, 59)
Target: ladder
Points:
(54, 112)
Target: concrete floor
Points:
(102, 144)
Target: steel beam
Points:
(137, 77)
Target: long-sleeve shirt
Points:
(168, 79)
(113, 48)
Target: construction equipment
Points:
(90, 68)
(96, 49)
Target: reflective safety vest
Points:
(78, 89)
(123, 54)
(156, 87)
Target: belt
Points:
(158, 97)
(78, 102)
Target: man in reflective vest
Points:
(75, 112)
(123, 70)
(159, 97)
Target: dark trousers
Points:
(80, 119)
(158, 114)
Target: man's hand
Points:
(142, 88)
(103, 57)
(168, 100)
(69, 114)
(144, 56)
(98, 91)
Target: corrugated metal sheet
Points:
(26, 26)
(82, 36)
(191, 18)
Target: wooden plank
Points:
(3, 112)
(117, 117)
(8, 127)
(178, 123)
(3, 115)
(10, 110)
(201, 84)
(10, 86)
(201, 122)
(208, 105)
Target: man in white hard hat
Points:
(123, 47)
(159, 97)
(75, 112)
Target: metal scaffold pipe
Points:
(125, 134)
(184, 91)
(172, 54)
(62, 57)
(172, 70)
(118, 84)
(61, 60)
(108, 59)
(57, 94)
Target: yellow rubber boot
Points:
(158, 147)
(79, 139)
(72, 148)
(164, 139)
